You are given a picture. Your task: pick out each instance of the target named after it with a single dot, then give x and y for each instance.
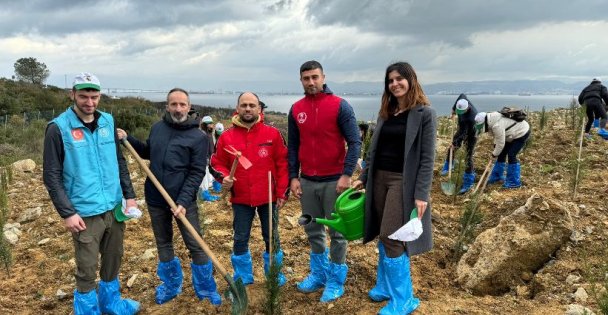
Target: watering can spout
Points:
(337, 223)
(347, 218)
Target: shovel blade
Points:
(237, 294)
(448, 188)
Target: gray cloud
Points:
(451, 22)
(60, 17)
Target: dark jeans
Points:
(162, 226)
(470, 144)
(512, 148)
(595, 110)
(103, 235)
(243, 218)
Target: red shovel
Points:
(239, 159)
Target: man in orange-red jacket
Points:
(265, 147)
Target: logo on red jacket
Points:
(263, 152)
(302, 117)
(77, 134)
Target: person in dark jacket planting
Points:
(592, 96)
(466, 112)
(177, 150)
(265, 147)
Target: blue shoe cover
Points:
(603, 133)
(513, 176)
(468, 179)
(243, 267)
(278, 259)
(445, 169)
(207, 196)
(596, 123)
(86, 303)
(170, 273)
(399, 285)
(204, 284)
(217, 187)
(498, 173)
(378, 293)
(110, 301)
(316, 279)
(334, 287)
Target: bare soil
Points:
(40, 270)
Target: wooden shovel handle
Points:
(172, 204)
(235, 163)
(484, 177)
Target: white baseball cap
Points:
(207, 119)
(219, 128)
(461, 106)
(86, 80)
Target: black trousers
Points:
(162, 226)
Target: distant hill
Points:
(549, 87)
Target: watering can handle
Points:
(344, 194)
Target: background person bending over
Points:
(592, 97)
(510, 137)
(466, 112)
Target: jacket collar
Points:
(236, 121)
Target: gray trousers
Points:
(388, 204)
(103, 235)
(318, 200)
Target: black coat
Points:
(178, 158)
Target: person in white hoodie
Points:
(510, 137)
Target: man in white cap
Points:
(592, 97)
(466, 132)
(87, 177)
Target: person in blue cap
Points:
(87, 177)
(466, 112)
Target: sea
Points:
(366, 106)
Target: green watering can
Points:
(347, 217)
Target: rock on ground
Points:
(521, 242)
(24, 165)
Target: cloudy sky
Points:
(260, 44)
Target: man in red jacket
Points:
(265, 147)
(321, 126)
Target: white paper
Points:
(131, 212)
(409, 232)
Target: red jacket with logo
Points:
(265, 148)
(320, 126)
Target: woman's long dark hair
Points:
(414, 95)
